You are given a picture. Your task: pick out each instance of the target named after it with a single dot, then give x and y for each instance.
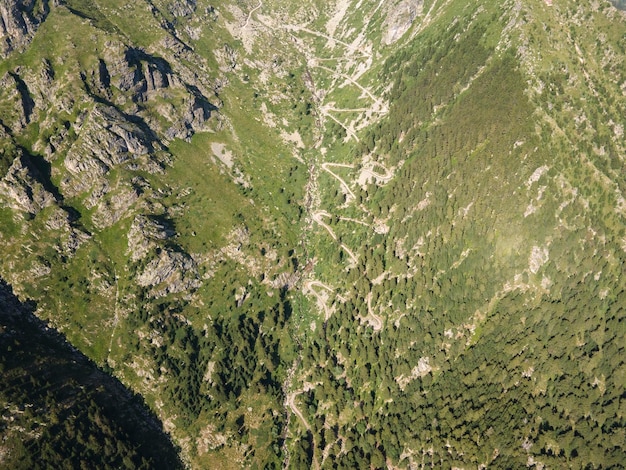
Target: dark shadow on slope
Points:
(41, 169)
(89, 10)
(103, 72)
(61, 410)
(28, 104)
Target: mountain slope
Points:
(501, 256)
(330, 234)
(59, 410)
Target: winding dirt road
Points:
(373, 319)
(317, 217)
(290, 402)
(321, 298)
(356, 221)
(368, 172)
(324, 294)
(348, 129)
(345, 110)
(293, 27)
(294, 409)
(250, 14)
(342, 182)
(382, 106)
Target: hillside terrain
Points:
(340, 234)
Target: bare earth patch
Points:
(222, 154)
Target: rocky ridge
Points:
(21, 188)
(121, 114)
(19, 21)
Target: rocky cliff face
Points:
(97, 127)
(77, 392)
(400, 18)
(170, 272)
(19, 20)
(21, 188)
(146, 234)
(15, 91)
(105, 139)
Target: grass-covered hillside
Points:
(317, 234)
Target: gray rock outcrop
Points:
(116, 205)
(139, 73)
(170, 272)
(21, 188)
(70, 238)
(106, 139)
(145, 234)
(400, 17)
(195, 115)
(19, 20)
(181, 8)
(14, 90)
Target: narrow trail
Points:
(338, 165)
(350, 253)
(348, 129)
(372, 318)
(288, 407)
(292, 27)
(116, 316)
(321, 298)
(356, 221)
(342, 182)
(250, 14)
(345, 110)
(318, 217)
(351, 57)
(382, 106)
(290, 401)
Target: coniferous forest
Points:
(317, 234)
